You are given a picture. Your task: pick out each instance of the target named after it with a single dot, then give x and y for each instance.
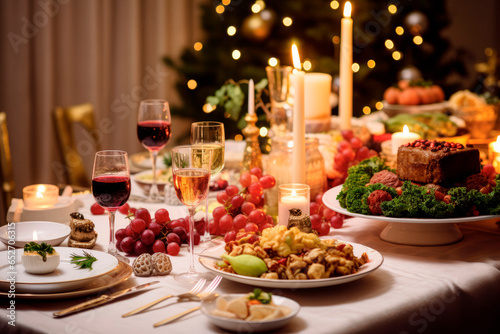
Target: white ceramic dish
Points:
(116, 276)
(66, 277)
(375, 261)
(144, 180)
(394, 109)
(242, 326)
(48, 232)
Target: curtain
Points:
(67, 52)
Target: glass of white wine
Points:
(209, 135)
(191, 167)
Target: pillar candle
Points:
(317, 90)
(401, 138)
(299, 127)
(345, 88)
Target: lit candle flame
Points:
(40, 190)
(405, 129)
(35, 236)
(294, 193)
(296, 58)
(496, 145)
(347, 9)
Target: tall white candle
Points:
(345, 88)
(299, 127)
(251, 98)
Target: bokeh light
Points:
(287, 21)
(236, 54)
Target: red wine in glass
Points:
(111, 192)
(154, 135)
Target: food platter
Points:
(375, 261)
(116, 276)
(239, 325)
(410, 231)
(394, 109)
(49, 232)
(65, 278)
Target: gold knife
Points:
(100, 300)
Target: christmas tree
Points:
(390, 39)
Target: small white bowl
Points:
(49, 232)
(243, 326)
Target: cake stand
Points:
(410, 231)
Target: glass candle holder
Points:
(40, 196)
(292, 196)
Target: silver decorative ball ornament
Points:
(417, 23)
(257, 27)
(409, 73)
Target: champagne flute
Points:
(111, 188)
(191, 168)
(153, 130)
(209, 135)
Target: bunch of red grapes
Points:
(322, 218)
(350, 151)
(240, 209)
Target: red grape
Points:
(230, 236)
(162, 216)
(127, 245)
(138, 225)
(131, 233)
(158, 246)
(147, 237)
(237, 201)
(316, 221)
(213, 227)
(255, 189)
(339, 159)
(132, 211)
(173, 249)
(319, 199)
(196, 238)
(251, 227)
(155, 227)
(226, 222)
(488, 171)
(184, 222)
(313, 208)
(348, 154)
(199, 226)
(240, 221)
(270, 220)
(325, 229)
(232, 190)
(337, 221)
(222, 184)
(257, 217)
(267, 181)
(256, 171)
(253, 199)
(172, 237)
(328, 213)
(264, 226)
(143, 214)
(356, 143)
(222, 197)
(181, 232)
(247, 207)
(96, 209)
(362, 153)
(347, 134)
(343, 145)
(120, 234)
(245, 179)
(140, 248)
(219, 212)
(124, 208)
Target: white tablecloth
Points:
(454, 288)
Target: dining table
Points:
(451, 288)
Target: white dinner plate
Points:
(49, 232)
(330, 200)
(375, 260)
(243, 326)
(65, 278)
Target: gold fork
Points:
(192, 293)
(207, 294)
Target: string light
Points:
(263, 131)
(208, 108)
(220, 9)
(418, 40)
(379, 105)
(287, 21)
(261, 3)
(307, 65)
(389, 44)
(366, 110)
(334, 4)
(192, 84)
(397, 55)
(236, 54)
(336, 39)
(226, 2)
(392, 9)
(256, 8)
(272, 62)
(198, 46)
(370, 63)
(400, 30)
(231, 30)
(355, 67)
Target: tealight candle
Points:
(40, 196)
(494, 154)
(292, 196)
(401, 138)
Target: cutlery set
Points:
(195, 294)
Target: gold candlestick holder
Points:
(252, 156)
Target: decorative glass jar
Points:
(279, 165)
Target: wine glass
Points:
(191, 168)
(153, 130)
(209, 135)
(111, 188)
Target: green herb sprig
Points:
(42, 249)
(83, 262)
(263, 297)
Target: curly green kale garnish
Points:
(84, 262)
(258, 294)
(42, 249)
